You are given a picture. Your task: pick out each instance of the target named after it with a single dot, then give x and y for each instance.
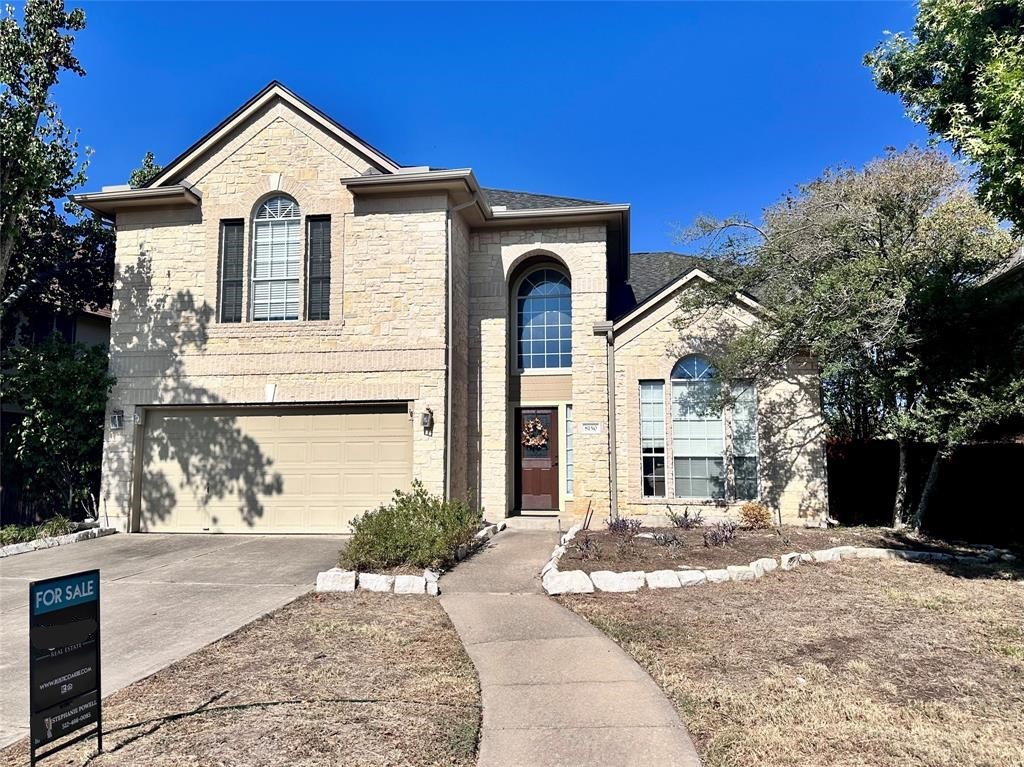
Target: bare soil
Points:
(617, 554)
(857, 663)
(351, 679)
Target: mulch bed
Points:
(857, 663)
(614, 554)
(352, 679)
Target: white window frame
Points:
(570, 470)
(292, 243)
(514, 323)
(730, 444)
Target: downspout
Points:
(607, 330)
(449, 307)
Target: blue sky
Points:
(680, 109)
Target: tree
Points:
(39, 159)
(961, 74)
(56, 446)
(867, 270)
(146, 172)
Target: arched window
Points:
(698, 433)
(276, 260)
(544, 320)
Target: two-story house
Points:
(301, 325)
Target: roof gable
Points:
(274, 91)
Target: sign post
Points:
(64, 661)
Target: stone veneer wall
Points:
(790, 426)
(384, 341)
(494, 256)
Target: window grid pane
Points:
(568, 450)
(698, 432)
(544, 321)
(652, 437)
(276, 261)
(744, 440)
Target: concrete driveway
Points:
(162, 597)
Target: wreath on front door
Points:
(535, 435)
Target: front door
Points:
(537, 458)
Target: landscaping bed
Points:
(857, 663)
(612, 551)
(324, 680)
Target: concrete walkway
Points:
(556, 691)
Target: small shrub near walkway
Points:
(58, 525)
(862, 663)
(326, 680)
(415, 530)
(674, 546)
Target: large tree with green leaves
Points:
(960, 72)
(872, 272)
(50, 249)
(55, 446)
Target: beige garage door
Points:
(262, 470)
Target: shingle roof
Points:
(650, 272)
(529, 201)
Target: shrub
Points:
(684, 521)
(10, 534)
(416, 528)
(756, 516)
(585, 546)
(58, 525)
(624, 527)
(671, 540)
(720, 533)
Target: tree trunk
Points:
(923, 505)
(899, 506)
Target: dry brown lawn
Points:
(748, 545)
(350, 679)
(856, 663)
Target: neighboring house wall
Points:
(790, 428)
(385, 338)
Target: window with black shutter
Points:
(318, 274)
(232, 253)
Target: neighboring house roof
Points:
(530, 201)
(1014, 263)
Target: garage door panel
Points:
(264, 471)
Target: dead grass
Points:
(646, 554)
(859, 663)
(329, 679)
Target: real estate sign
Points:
(64, 661)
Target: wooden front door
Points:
(537, 458)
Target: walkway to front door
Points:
(537, 459)
(556, 691)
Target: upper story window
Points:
(544, 320)
(276, 260)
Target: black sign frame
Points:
(81, 642)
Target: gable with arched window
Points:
(704, 452)
(276, 260)
(544, 320)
